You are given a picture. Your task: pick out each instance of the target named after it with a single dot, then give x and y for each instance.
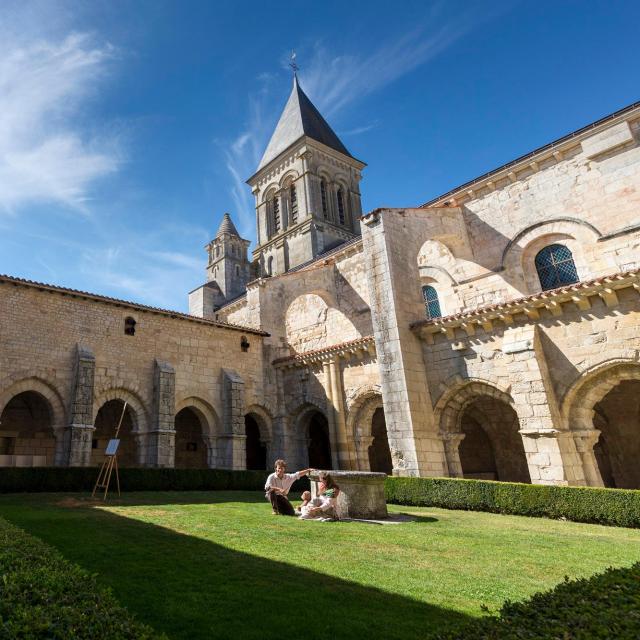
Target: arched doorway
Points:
(617, 451)
(190, 447)
(26, 432)
(379, 452)
(255, 447)
(105, 426)
(319, 442)
(492, 447)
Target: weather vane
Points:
(293, 64)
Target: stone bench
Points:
(361, 494)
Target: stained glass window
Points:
(555, 267)
(431, 303)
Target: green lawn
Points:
(199, 565)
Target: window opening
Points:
(555, 267)
(431, 302)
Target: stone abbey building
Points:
(492, 332)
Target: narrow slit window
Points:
(323, 196)
(293, 199)
(276, 214)
(431, 302)
(341, 217)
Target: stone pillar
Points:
(551, 452)
(585, 440)
(362, 450)
(452, 453)
(76, 449)
(160, 441)
(416, 448)
(212, 451)
(232, 448)
(331, 414)
(345, 458)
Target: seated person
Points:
(277, 488)
(306, 499)
(324, 505)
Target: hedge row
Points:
(37, 479)
(44, 596)
(616, 507)
(603, 606)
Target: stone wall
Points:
(73, 351)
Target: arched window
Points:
(275, 207)
(129, 326)
(341, 205)
(323, 196)
(431, 303)
(237, 271)
(555, 267)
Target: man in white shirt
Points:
(278, 485)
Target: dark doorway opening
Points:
(256, 451)
(379, 452)
(319, 442)
(191, 450)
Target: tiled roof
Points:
(5, 279)
(334, 348)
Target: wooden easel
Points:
(110, 462)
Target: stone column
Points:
(362, 450)
(452, 453)
(345, 457)
(585, 440)
(162, 435)
(331, 414)
(232, 448)
(306, 191)
(76, 449)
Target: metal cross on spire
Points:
(293, 64)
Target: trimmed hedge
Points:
(603, 606)
(38, 479)
(44, 596)
(616, 507)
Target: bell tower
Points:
(306, 189)
(228, 271)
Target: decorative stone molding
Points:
(529, 307)
(360, 348)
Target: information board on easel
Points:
(110, 462)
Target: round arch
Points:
(51, 395)
(312, 426)
(141, 415)
(205, 412)
(481, 432)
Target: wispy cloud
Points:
(46, 154)
(333, 82)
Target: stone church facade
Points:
(493, 332)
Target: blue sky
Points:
(128, 128)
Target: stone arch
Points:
(37, 440)
(366, 426)
(310, 423)
(486, 417)
(287, 178)
(209, 427)
(44, 388)
(269, 191)
(602, 410)
(313, 321)
(519, 254)
(207, 414)
(132, 399)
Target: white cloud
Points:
(46, 154)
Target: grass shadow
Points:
(194, 588)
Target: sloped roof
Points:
(300, 118)
(227, 226)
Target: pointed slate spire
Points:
(227, 226)
(300, 118)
